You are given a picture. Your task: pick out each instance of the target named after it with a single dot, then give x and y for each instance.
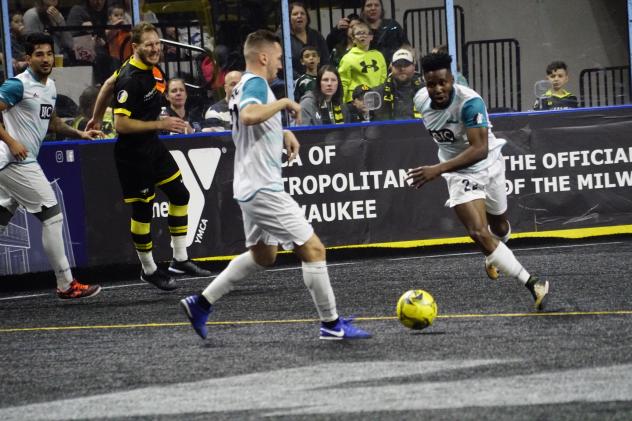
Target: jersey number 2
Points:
(468, 186)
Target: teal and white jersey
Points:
(448, 126)
(259, 147)
(31, 107)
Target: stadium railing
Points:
(492, 68)
(605, 86)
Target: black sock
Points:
(204, 303)
(331, 324)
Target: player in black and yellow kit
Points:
(143, 162)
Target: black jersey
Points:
(139, 95)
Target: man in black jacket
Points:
(400, 88)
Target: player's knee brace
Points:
(55, 219)
(141, 226)
(47, 214)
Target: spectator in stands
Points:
(18, 53)
(399, 89)
(340, 39)
(388, 35)
(556, 98)
(310, 59)
(217, 117)
(176, 95)
(44, 16)
(458, 77)
(87, 99)
(92, 13)
(118, 40)
(358, 112)
(361, 65)
(303, 35)
(324, 104)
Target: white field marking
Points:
(20, 297)
(363, 388)
(513, 249)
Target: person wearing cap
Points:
(361, 65)
(399, 89)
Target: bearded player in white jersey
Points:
(473, 166)
(27, 102)
(270, 216)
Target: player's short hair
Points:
(139, 29)
(362, 23)
(37, 38)
(556, 65)
(436, 61)
(309, 48)
(258, 40)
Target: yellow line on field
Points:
(575, 233)
(262, 322)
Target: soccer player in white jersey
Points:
(473, 166)
(270, 215)
(27, 102)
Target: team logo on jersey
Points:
(46, 111)
(122, 96)
(442, 136)
(373, 65)
(479, 118)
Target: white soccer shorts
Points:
(275, 218)
(26, 185)
(488, 184)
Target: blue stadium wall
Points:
(569, 175)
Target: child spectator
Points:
(310, 59)
(556, 98)
(118, 40)
(358, 112)
(361, 66)
(86, 106)
(17, 48)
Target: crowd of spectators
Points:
(363, 52)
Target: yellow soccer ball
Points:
(416, 309)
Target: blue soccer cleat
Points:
(196, 314)
(344, 329)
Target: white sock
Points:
(53, 242)
(147, 260)
(179, 244)
(506, 262)
(316, 278)
(239, 268)
(505, 237)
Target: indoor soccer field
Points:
(129, 353)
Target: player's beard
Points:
(41, 72)
(144, 57)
